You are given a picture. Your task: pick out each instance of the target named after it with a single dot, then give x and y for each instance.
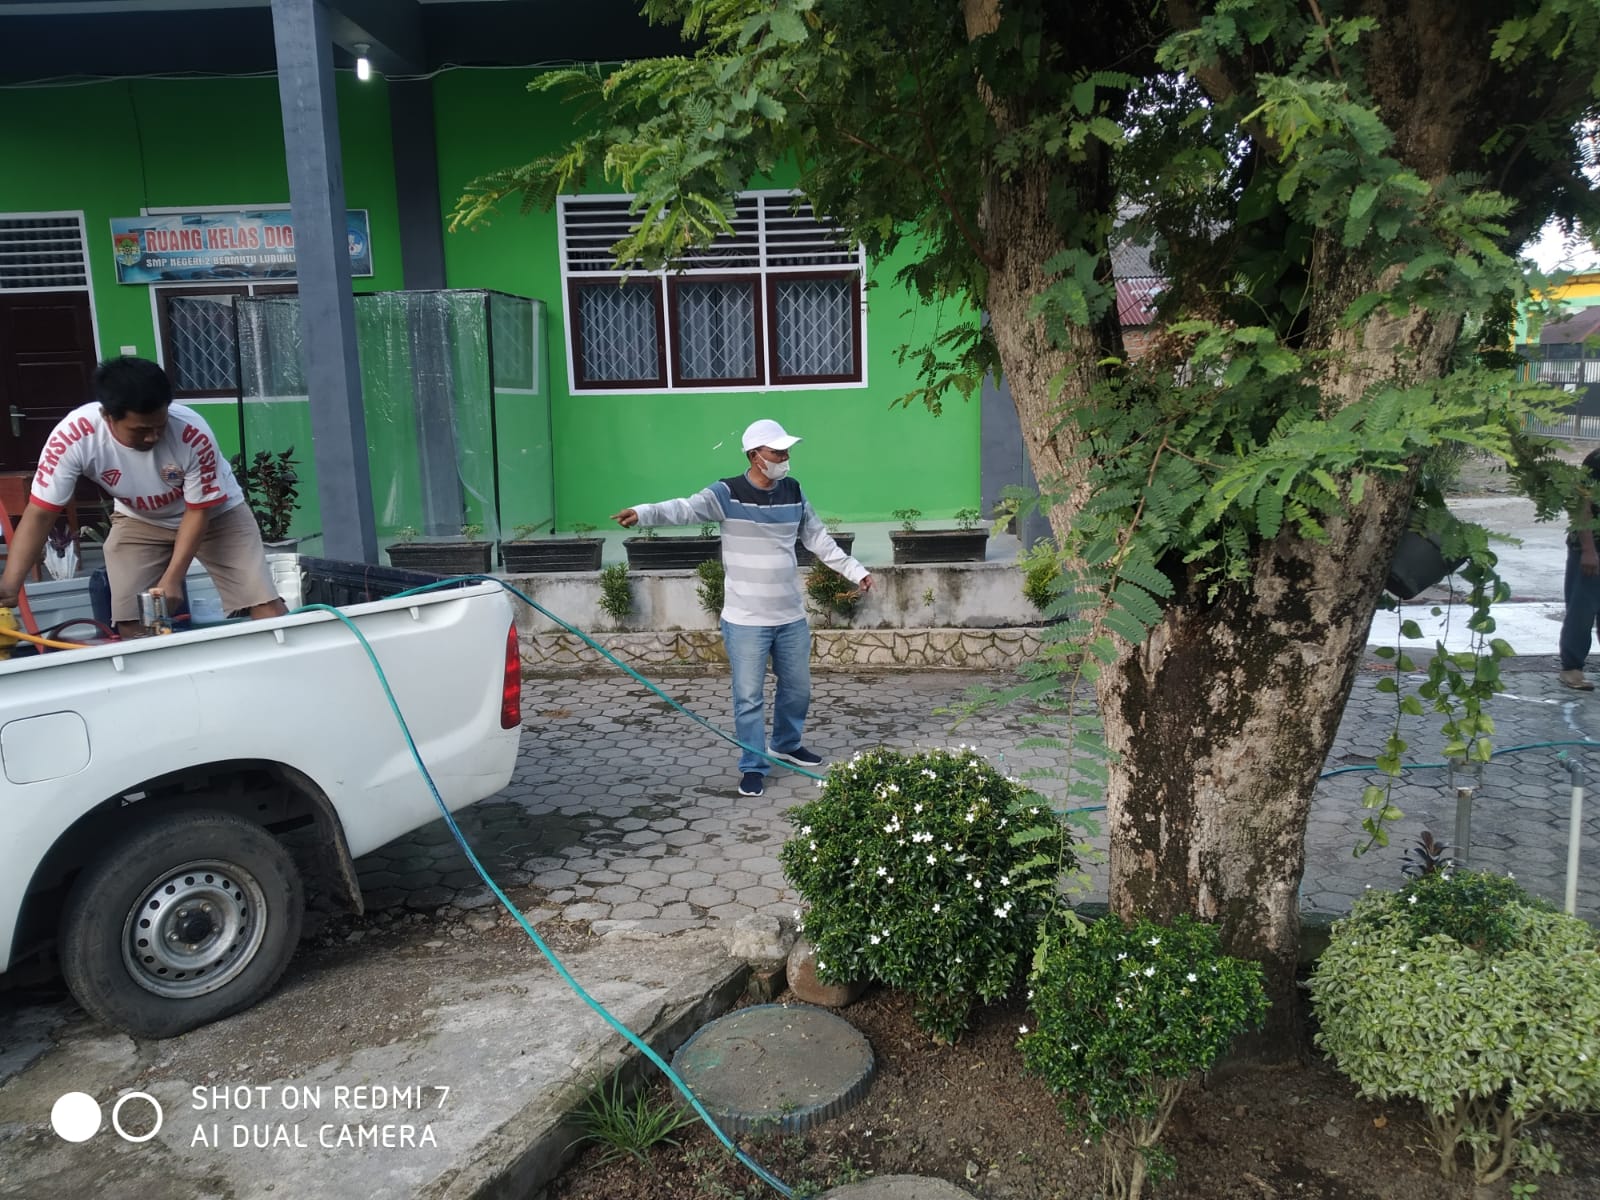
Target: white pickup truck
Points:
(165, 801)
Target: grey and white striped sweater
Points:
(759, 527)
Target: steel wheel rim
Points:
(194, 929)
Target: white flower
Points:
(978, 883)
(1120, 957)
(1149, 972)
(1411, 900)
(1005, 881)
(875, 939)
(856, 862)
(1022, 1029)
(931, 860)
(1155, 941)
(917, 808)
(1000, 912)
(821, 966)
(805, 831)
(935, 908)
(882, 871)
(1509, 875)
(958, 958)
(890, 879)
(813, 845)
(1192, 977)
(971, 816)
(927, 774)
(1403, 967)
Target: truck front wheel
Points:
(192, 918)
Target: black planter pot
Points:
(551, 554)
(939, 545)
(1418, 565)
(670, 553)
(443, 558)
(805, 558)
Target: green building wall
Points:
(111, 149)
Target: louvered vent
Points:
(769, 230)
(42, 253)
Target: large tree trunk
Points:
(1224, 718)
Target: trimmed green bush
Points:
(1465, 994)
(1125, 1016)
(928, 872)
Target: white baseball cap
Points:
(769, 434)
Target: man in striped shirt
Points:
(763, 611)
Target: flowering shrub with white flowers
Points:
(1465, 994)
(1124, 1016)
(928, 872)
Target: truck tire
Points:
(193, 917)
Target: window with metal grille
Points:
(42, 253)
(200, 338)
(774, 302)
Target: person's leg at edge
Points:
(1582, 595)
(233, 554)
(791, 664)
(749, 647)
(135, 561)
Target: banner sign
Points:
(220, 246)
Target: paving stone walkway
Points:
(625, 812)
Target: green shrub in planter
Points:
(1125, 1016)
(928, 872)
(1465, 994)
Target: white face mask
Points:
(774, 470)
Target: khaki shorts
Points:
(137, 555)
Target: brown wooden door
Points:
(47, 361)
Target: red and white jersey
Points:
(185, 469)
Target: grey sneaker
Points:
(752, 783)
(1575, 681)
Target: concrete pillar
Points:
(1003, 460)
(416, 181)
(327, 311)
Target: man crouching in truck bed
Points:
(176, 498)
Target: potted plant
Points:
(467, 555)
(272, 489)
(651, 553)
(966, 543)
(805, 558)
(526, 554)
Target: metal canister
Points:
(153, 612)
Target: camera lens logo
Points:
(76, 1116)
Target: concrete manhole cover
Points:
(774, 1066)
(897, 1187)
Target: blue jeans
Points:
(750, 647)
(1582, 594)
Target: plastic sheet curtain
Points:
(456, 397)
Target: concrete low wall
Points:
(831, 649)
(945, 596)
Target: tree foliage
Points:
(1334, 193)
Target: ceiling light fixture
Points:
(363, 63)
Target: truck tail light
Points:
(511, 695)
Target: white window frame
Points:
(760, 269)
(211, 287)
